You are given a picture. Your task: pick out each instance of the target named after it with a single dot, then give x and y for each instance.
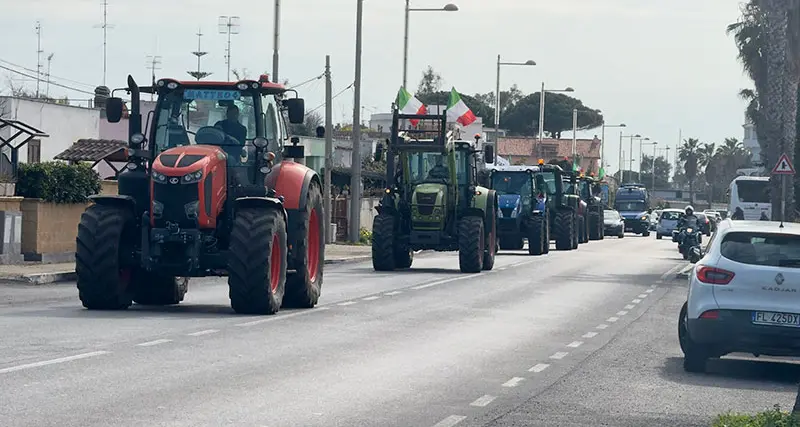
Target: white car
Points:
(667, 222)
(744, 294)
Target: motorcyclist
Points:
(689, 220)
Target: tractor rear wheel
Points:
(403, 257)
(158, 289)
(383, 258)
(584, 227)
(470, 244)
(537, 235)
(576, 240)
(595, 229)
(257, 261)
(563, 229)
(304, 286)
(490, 230)
(105, 235)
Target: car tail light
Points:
(710, 314)
(714, 276)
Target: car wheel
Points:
(694, 355)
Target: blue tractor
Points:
(633, 203)
(522, 202)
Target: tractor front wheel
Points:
(470, 244)
(304, 286)
(383, 258)
(490, 230)
(563, 229)
(537, 236)
(595, 226)
(257, 261)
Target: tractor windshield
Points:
(180, 114)
(511, 183)
(434, 167)
(550, 180)
(586, 190)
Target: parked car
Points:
(744, 294)
(613, 223)
(705, 223)
(667, 222)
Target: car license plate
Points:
(779, 319)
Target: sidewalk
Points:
(41, 274)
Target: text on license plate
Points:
(781, 319)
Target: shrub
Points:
(57, 182)
(772, 418)
(364, 236)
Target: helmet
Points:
(689, 210)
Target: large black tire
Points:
(257, 261)
(595, 226)
(512, 243)
(470, 244)
(583, 226)
(158, 289)
(547, 232)
(563, 229)
(304, 286)
(694, 355)
(575, 231)
(403, 257)
(601, 221)
(537, 235)
(383, 258)
(490, 235)
(105, 234)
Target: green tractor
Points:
(562, 206)
(432, 200)
(591, 192)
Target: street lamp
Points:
(603, 140)
(529, 62)
(621, 157)
(653, 167)
(541, 111)
(640, 138)
(450, 7)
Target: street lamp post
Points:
(603, 140)
(276, 40)
(529, 62)
(653, 166)
(622, 159)
(541, 113)
(640, 151)
(450, 7)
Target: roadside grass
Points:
(771, 418)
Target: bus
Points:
(748, 198)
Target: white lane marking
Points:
(672, 271)
(622, 313)
(513, 382)
(372, 298)
(442, 282)
(205, 332)
(642, 296)
(589, 335)
(575, 344)
(602, 326)
(393, 293)
(612, 319)
(152, 343)
(483, 400)
(636, 301)
(629, 307)
(450, 421)
(649, 291)
(500, 269)
(281, 316)
(653, 286)
(52, 361)
(346, 303)
(539, 367)
(559, 355)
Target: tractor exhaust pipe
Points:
(135, 115)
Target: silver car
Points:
(668, 222)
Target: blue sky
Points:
(657, 66)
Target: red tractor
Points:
(211, 189)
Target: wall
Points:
(64, 123)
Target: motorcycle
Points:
(689, 245)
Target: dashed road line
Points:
(483, 400)
(52, 361)
(575, 344)
(622, 313)
(152, 343)
(281, 316)
(636, 301)
(602, 326)
(372, 298)
(513, 382)
(649, 290)
(629, 307)
(589, 335)
(559, 355)
(388, 294)
(450, 421)
(642, 296)
(539, 367)
(612, 319)
(204, 332)
(346, 303)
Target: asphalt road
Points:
(571, 338)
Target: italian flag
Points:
(409, 104)
(458, 111)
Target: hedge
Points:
(772, 418)
(57, 182)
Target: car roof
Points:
(760, 227)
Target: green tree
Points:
(431, 82)
(687, 153)
(523, 117)
(662, 171)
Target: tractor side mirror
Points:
(114, 110)
(379, 152)
(488, 153)
(296, 108)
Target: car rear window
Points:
(610, 214)
(671, 216)
(770, 249)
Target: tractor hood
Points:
(509, 205)
(428, 206)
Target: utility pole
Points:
(153, 64)
(276, 41)
(228, 25)
(38, 55)
(328, 149)
(621, 160)
(574, 135)
(355, 177)
(49, 61)
(199, 54)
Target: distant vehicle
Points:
(613, 223)
(705, 223)
(744, 294)
(668, 222)
(748, 198)
(632, 202)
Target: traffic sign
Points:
(784, 166)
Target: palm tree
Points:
(687, 153)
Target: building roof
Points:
(586, 148)
(95, 150)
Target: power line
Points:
(52, 83)
(308, 81)
(31, 70)
(332, 98)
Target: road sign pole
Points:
(783, 198)
(783, 168)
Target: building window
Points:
(35, 151)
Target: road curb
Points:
(41, 278)
(684, 272)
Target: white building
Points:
(750, 141)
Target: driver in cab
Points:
(439, 171)
(231, 125)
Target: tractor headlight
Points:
(260, 142)
(158, 209)
(160, 177)
(191, 178)
(191, 209)
(500, 213)
(137, 139)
